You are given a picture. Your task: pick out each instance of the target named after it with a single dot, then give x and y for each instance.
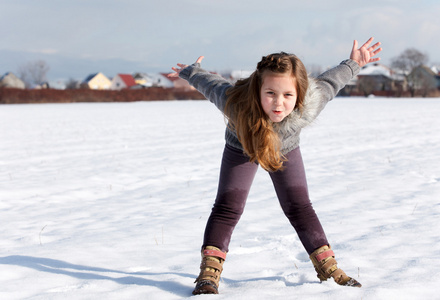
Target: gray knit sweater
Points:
(320, 91)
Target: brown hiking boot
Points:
(210, 271)
(325, 264)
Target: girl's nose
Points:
(278, 100)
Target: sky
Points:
(76, 38)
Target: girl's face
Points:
(278, 95)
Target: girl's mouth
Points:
(277, 112)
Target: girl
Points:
(266, 113)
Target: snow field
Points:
(110, 200)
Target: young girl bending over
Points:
(266, 113)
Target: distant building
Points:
(423, 80)
(96, 81)
(122, 81)
(144, 80)
(375, 79)
(9, 80)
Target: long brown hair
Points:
(247, 118)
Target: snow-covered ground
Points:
(110, 201)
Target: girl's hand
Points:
(364, 54)
(181, 67)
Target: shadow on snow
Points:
(93, 273)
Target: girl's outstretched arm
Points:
(181, 67)
(213, 86)
(365, 53)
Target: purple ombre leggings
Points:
(236, 176)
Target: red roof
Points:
(127, 79)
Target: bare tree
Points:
(407, 62)
(33, 73)
(409, 59)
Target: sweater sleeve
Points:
(333, 80)
(212, 86)
(325, 87)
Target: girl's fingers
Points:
(376, 45)
(377, 51)
(355, 45)
(367, 43)
(199, 60)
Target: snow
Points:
(110, 200)
(375, 69)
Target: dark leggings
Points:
(236, 176)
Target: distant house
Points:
(375, 79)
(96, 81)
(144, 80)
(122, 81)
(9, 80)
(423, 80)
